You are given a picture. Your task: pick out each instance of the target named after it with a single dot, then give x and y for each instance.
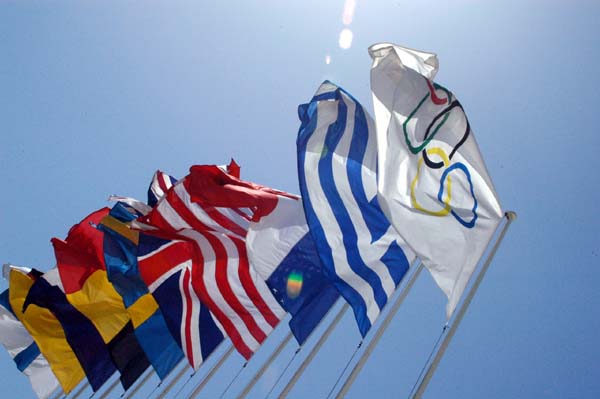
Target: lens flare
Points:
(348, 14)
(345, 39)
(294, 284)
(328, 59)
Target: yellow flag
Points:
(47, 332)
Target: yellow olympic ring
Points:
(446, 210)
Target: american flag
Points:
(219, 270)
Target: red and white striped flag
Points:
(202, 208)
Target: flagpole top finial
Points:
(511, 215)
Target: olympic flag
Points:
(433, 184)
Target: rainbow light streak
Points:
(294, 284)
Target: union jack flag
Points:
(166, 268)
(211, 218)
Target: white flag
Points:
(25, 352)
(433, 184)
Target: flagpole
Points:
(138, 384)
(82, 388)
(175, 379)
(510, 217)
(57, 393)
(313, 352)
(212, 372)
(375, 340)
(264, 367)
(108, 390)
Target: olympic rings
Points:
(446, 210)
(434, 98)
(443, 115)
(446, 113)
(459, 165)
(432, 129)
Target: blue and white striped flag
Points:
(362, 253)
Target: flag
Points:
(279, 246)
(44, 327)
(201, 210)
(433, 184)
(25, 352)
(284, 254)
(86, 341)
(121, 246)
(362, 253)
(166, 267)
(160, 184)
(82, 269)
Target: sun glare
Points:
(348, 14)
(345, 38)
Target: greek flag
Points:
(362, 253)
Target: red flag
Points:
(82, 253)
(204, 209)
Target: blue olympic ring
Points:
(459, 165)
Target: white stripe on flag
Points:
(190, 333)
(171, 216)
(366, 258)
(217, 233)
(214, 291)
(158, 282)
(371, 254)
(233, 276)
(15, 339)
(201, 214)
(325, 214)
(157, 250)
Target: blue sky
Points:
(95, 96)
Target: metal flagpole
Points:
(510, 217)
(139, 384)
(57, 393)
(264, 367)
(80, 390)
(375, 340)
(177, 377)
(313, 352)
(212, 372)
(108, 390)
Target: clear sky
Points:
(95, 96)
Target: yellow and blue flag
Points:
(80, 262)
(120, 245)
(45, 329)
(25, 352)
